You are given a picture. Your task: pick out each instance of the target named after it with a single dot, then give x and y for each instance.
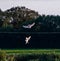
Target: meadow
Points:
(30, 55)
(32, 51)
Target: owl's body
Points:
(27, 39)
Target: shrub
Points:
(2, 55)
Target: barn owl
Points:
(27, 39)
(29, 26)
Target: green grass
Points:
(32, 54)
(33, 51)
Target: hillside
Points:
(22, 19)
(15, 17)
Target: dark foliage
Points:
(20, 16)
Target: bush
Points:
(2, 55)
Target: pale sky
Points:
(48, 7)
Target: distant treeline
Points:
(49, 23)
(13, 19)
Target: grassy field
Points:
(32, 54)
(32, 51)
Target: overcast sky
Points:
(48, 7)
